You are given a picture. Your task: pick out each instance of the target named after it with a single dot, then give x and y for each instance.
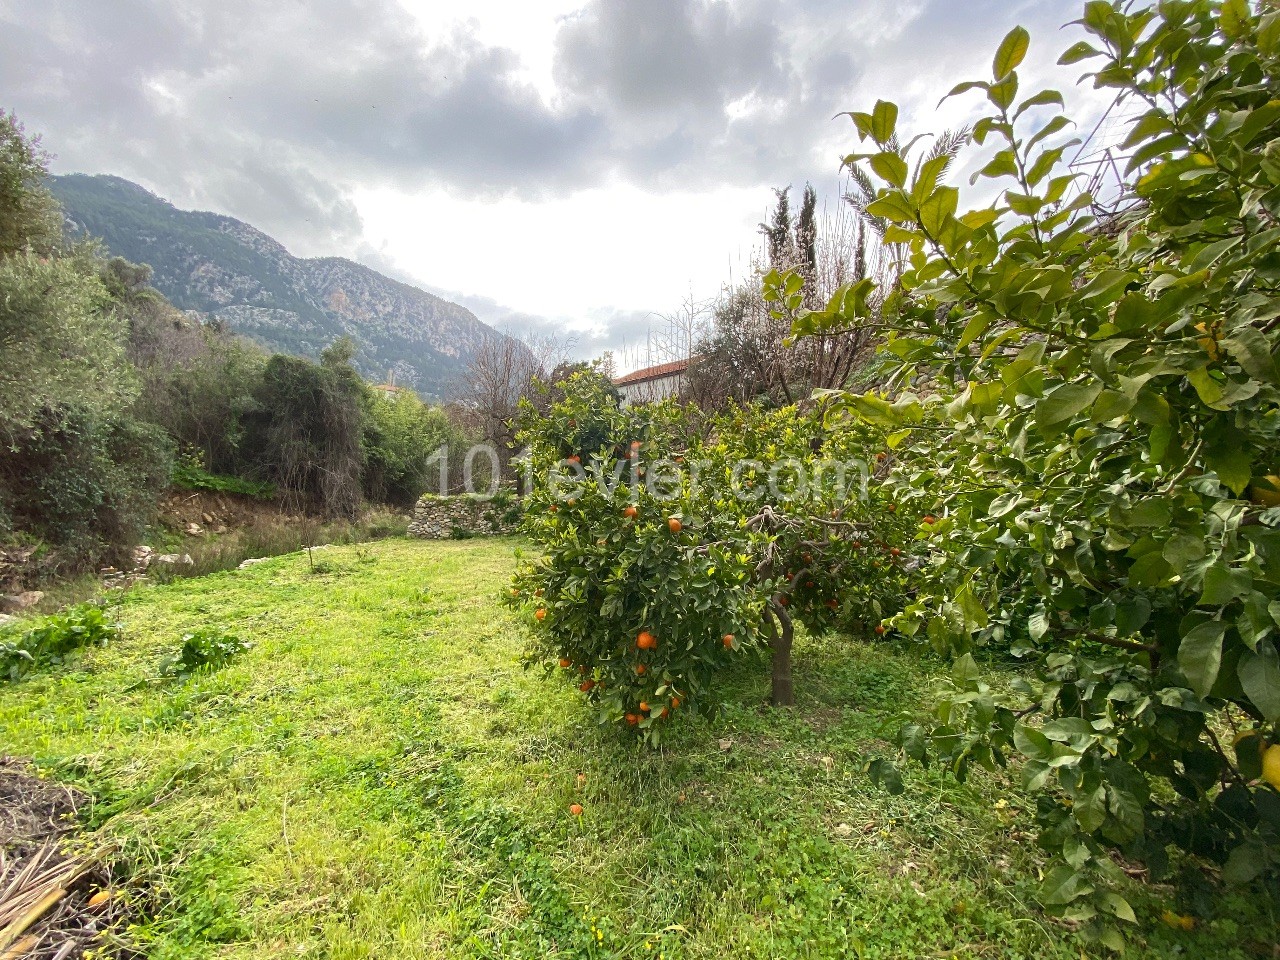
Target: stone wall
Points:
(445, 518)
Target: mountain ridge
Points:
(226, 269)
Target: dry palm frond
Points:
(30, 888)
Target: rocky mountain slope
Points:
(223, 268)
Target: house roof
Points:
(653, 373)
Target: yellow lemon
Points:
(1271, 765)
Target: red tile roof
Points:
(653, 373)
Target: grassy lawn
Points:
(380, 777)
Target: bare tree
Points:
(745, 353)
(502, 372)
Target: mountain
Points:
(224, 269)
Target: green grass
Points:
(379, 777)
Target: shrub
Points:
(25, 647)
(85, 482)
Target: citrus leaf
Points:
(1013, 49)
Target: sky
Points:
(578, 168)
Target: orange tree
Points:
(1097, 403)
(669, 545)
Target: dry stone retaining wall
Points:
(445, 518)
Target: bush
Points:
(86, 483)
(49, 640)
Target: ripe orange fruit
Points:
(880, 457)
(644, 706)
(632, 719)
(554, 508)
(930, 519)
(665, 713)
(587, 685)
(674, 524)
(893, 508)
(635, 444)
(565, 663)
(675, 703)
(97, 900)
(640, 669)
(631, 512)
(833, 603)
(575, 809)
(541, 614)
(647, 641)
(784, 601)
(894, 551)
(574, 459)
(727, 640)
(880, 628)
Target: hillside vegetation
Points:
(230, 271)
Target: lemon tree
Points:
(1089, 407)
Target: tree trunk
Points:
(784, 694)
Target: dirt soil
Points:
(39, 878)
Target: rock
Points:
(183, 559)
(21, 601)
(5, 620)
(194, 530)
(220, 528)
(208, 518)
(142, 557)
(251, 561)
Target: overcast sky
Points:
(552, 164)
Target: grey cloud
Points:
(275, 113)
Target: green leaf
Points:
(940, 206)
(884, 120)
(1235, 18)
(1200, 655)
(1090, 811)
(1244, 864)
(1013, 49)
(1063, 884)
(1259, 673)
(1233, 465)
(1249, 347)
(1031, 743)
(893, 206)
(1065, 402)
(1077, 52)
(1118, 906)
(1222, 585)
(890, 167)
(965, 87)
